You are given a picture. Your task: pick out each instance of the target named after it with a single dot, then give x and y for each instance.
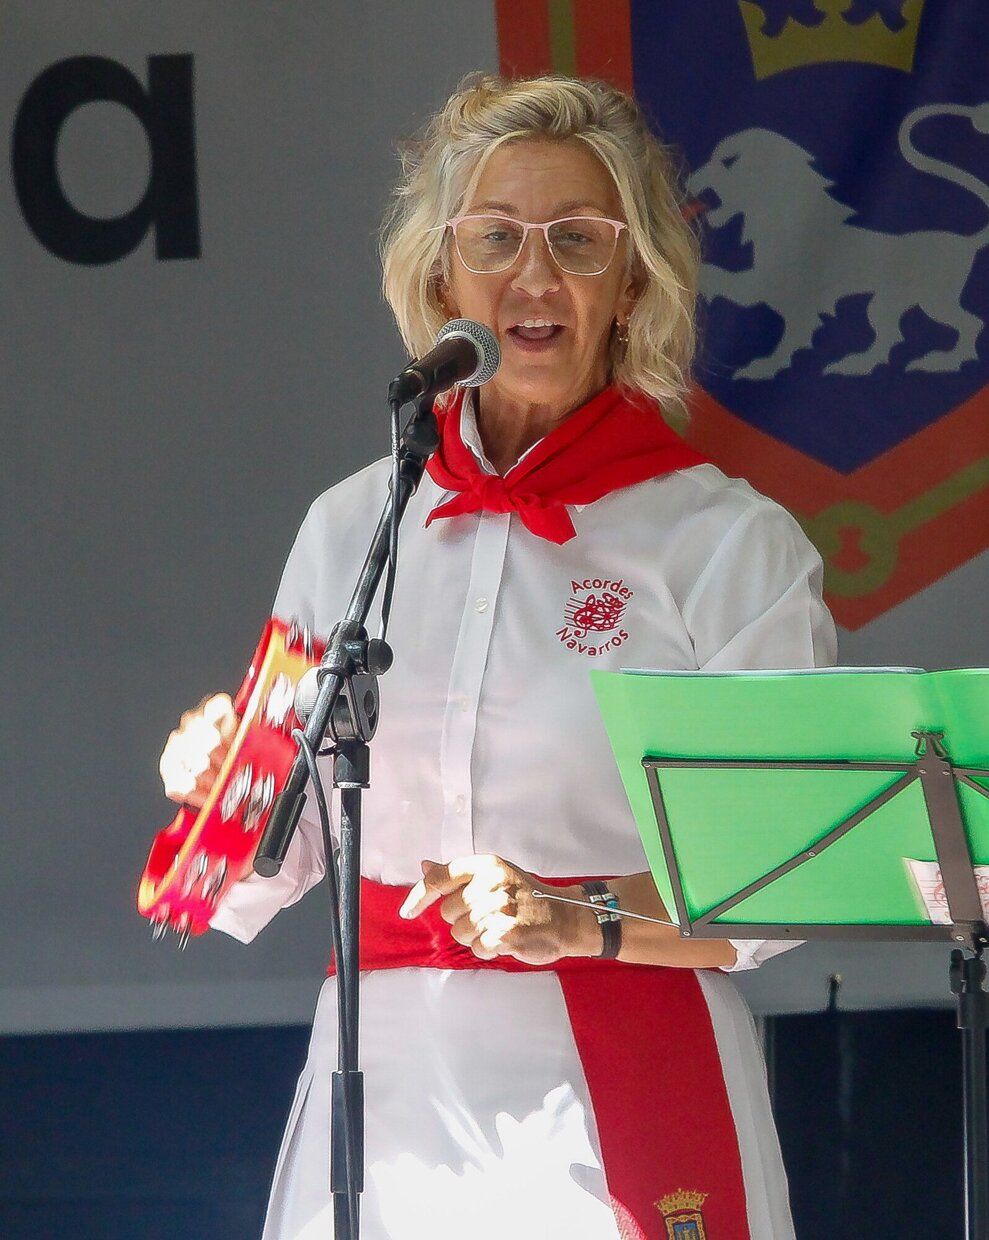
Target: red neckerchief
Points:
(609, 443)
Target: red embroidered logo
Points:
(597, 605)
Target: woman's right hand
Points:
(194, 752)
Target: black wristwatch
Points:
(605, 902)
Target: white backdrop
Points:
(166, 423)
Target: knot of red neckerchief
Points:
(609, 443)
(491, 493)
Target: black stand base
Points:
(347, 1162)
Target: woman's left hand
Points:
(489, 906)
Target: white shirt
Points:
(490, 739)
(478, 1111)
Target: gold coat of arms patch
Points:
(682, 1215)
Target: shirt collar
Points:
(471, 435)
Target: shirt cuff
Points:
(753, 952)
(229, 921)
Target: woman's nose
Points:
(536, 272)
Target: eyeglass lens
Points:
(491, 243)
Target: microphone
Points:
(465, 352)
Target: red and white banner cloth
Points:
(619, 1120)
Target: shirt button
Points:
(460, 804)
(481, 604)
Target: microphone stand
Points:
(346, 713)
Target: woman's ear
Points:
(631, 291)
(445, 300)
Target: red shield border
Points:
(885, 531)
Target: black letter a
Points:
(165, 111)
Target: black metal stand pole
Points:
(351, 776)
(967, 977)
(346, 711)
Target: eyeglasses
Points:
(581, 245)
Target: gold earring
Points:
(621, 333)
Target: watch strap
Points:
(605, 903)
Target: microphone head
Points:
(483, 339)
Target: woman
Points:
(518, 1083)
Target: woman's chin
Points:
(545, 381)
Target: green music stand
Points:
(780, 805)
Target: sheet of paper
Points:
(927, 879)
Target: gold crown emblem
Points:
(680, 1200)
(832, 39)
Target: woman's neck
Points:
(509, 426)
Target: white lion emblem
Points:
(807, 255)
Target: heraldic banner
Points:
(837, 154)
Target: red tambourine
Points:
(197, 858)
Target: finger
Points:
(204, 753)
(453, 908)
(194, 756)
(195, 799)
(166, 754)
(478, 878)
(188, 716)
(441, 880)
(188, 787)
(488, 933)
(180, 783)
(490, 892)
(219, 711)
(188, 780)
(488, 947)
(202, 733)
(482, 870)
(477, 903)
(493, 931)
(171, 765)
(465, 931)
(186, 796)
(183, 763)
(205, 781)
(216, 760)
(436, 882)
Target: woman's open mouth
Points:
(534, 335)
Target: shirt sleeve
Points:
(251, 903)
(758, 605)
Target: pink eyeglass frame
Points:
(527, 227)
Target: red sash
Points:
(650, 1060)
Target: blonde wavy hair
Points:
(441, 167)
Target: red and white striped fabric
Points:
(590, 1101)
